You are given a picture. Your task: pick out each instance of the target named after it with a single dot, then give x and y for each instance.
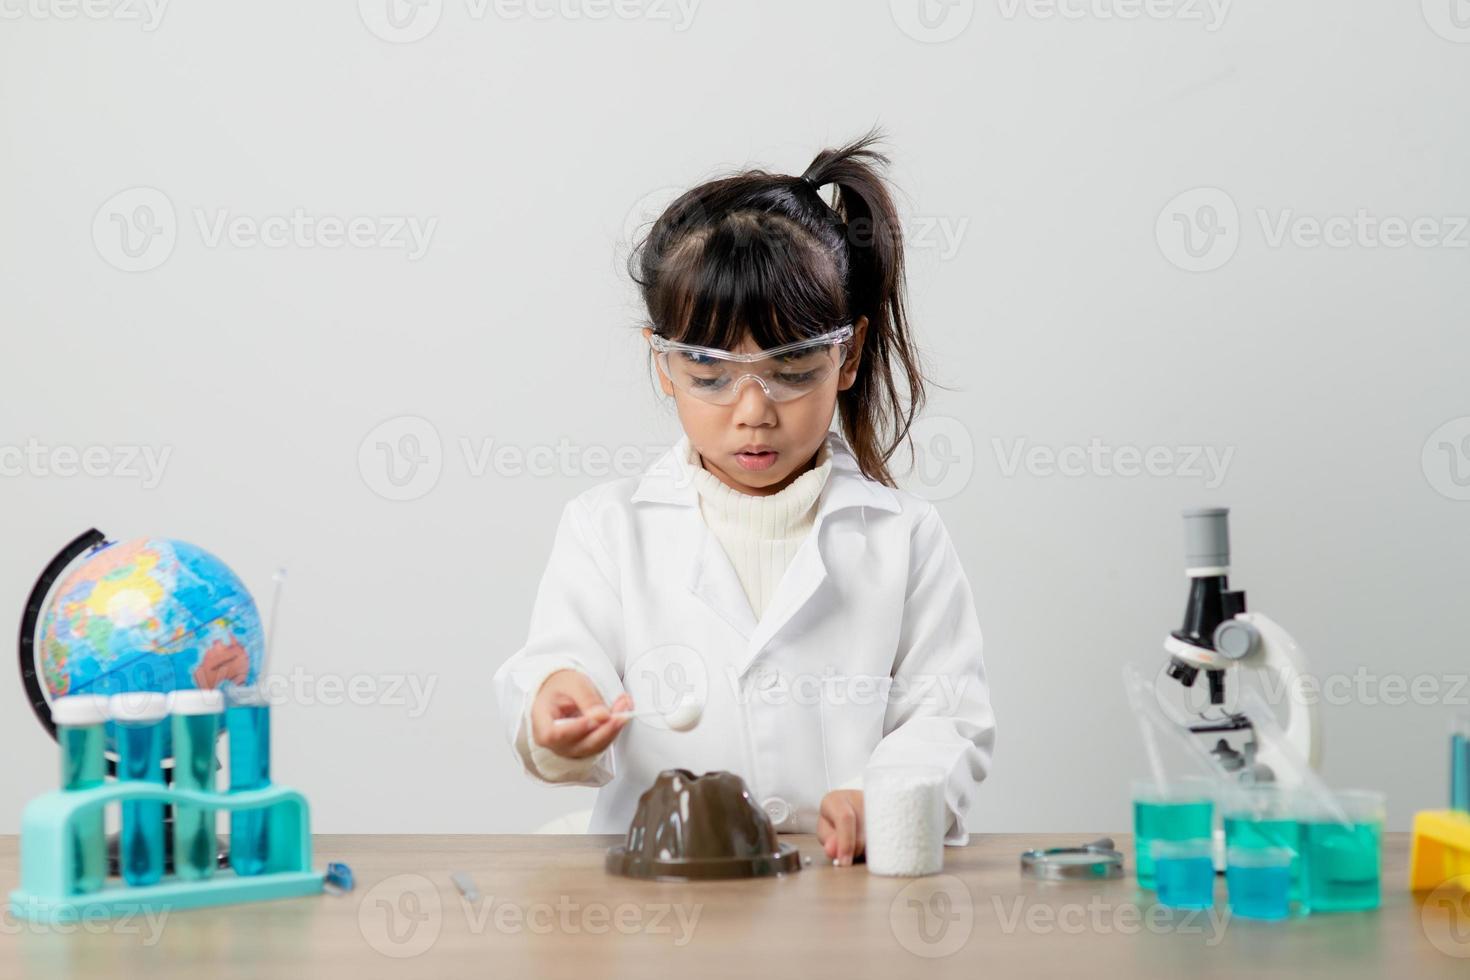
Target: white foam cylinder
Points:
(903, 809)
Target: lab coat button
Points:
(777, 809)
(766, 678)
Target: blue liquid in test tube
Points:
(142, 724)
(196, 717)
(81, 726)
(248, 722)
(1460, 764)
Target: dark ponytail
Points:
(768, 255)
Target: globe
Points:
(149, 615)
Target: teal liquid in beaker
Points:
(1186, 880)
(250, 768)
(83, 766)
(195, 846)
(1250, 834)
(1258, 881)
(1340, 866)
(1460, 772)
(1166, 820)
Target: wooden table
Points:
(548, 909)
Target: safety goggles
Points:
(784, 373)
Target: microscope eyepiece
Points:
(1207, 540)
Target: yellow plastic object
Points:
(1439, 849)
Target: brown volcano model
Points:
(689, 828)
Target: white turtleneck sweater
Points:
(760, 535)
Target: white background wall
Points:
(1049, 148)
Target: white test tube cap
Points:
(207, 702)
(80, 710)
(138, 706)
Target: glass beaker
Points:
(1179, 809)
(1340, 861)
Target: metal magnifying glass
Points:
(1098, 859)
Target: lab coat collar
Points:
(670, 481)
(713, 578)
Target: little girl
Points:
(765, 567)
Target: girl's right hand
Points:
(571, 694)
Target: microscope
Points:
(1234, 648)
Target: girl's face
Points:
(755, 445)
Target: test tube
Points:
(81, 722)
(1460, 763)
(140, 717)
(248, 721)
(196, 717)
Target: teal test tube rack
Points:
(48, 875)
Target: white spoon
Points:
(686, 715)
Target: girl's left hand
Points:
(840, 825)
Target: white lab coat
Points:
(869, 652)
